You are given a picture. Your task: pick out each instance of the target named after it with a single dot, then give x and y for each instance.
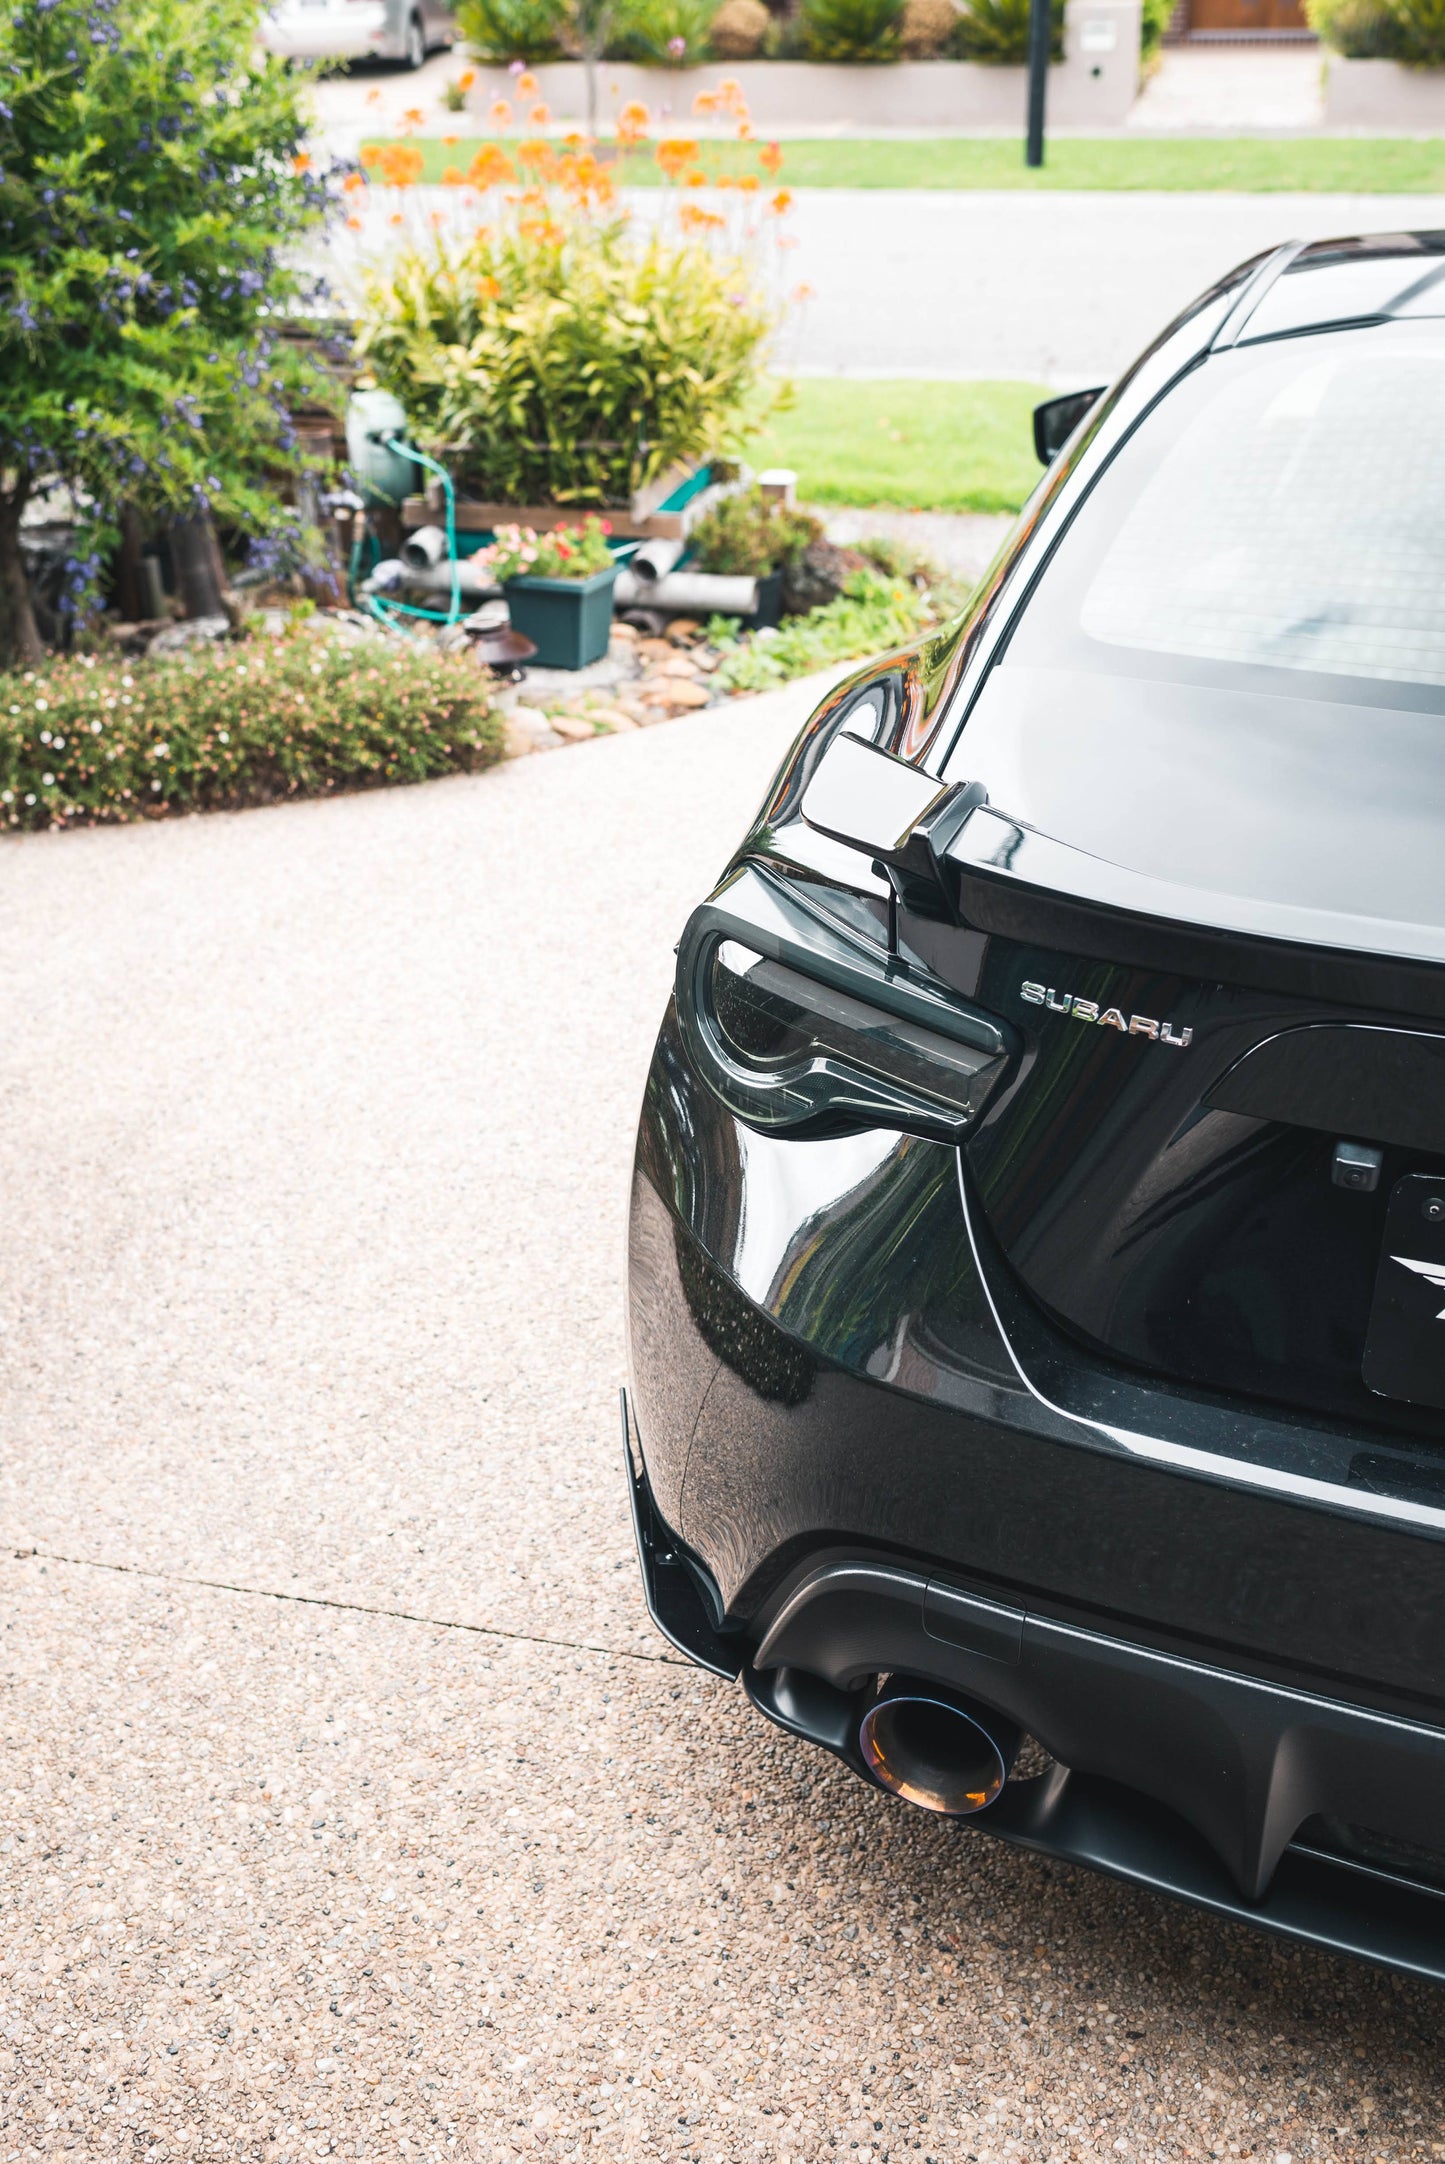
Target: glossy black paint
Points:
(1100, 1366)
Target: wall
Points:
(1094, 85)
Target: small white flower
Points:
(45, 736)
(7, 796)
(30, 796)
(224, 735)
(48, 780)
(96, 727)
(42, 706)
(14, 708)
(156, 786)
(127, 700)
(162, 751)
(128, 681)
(59, 743)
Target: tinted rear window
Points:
(1284, 510)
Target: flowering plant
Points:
(567, 552)
(89, 740)
(550, 351)
(155, 187)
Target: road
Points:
(1059, 289)
(351, 1806)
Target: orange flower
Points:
(490, 167)
(782, 202)
(301, 163)
(355, 223)
(500, 114)
(354, 183)
(730, 97)
(453, 177)
(488, 288)
(449, 140)
(540, 114)
(749, 183)
(697, 220)
(803, 292)
(369, 154)
(633, 122)
(771, 158)
(401, 164)
(527, 84)
(576, 140)
(704, 103)
(466, 79)
(695, 179)
(413, 117)
(396, 218)
(539, 157)
(673, 154)
(745, 131)
(727, 180)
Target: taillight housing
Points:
(797, 1022)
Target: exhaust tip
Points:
(927, 1747)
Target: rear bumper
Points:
(1251, 1760)
(849, 1468)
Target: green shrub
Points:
(86, 740)
(1152, 26)
(853, 29)
(996, 32)
(747, 536)
(513, 29)
(662, 33)
(156, 196)
(871, 615)
(1412, 31)
(565, 359)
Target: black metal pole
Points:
(1040, 37)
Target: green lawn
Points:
(924, 446)
(1394, 166)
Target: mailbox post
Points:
(1040, 37)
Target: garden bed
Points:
(1383, 94)
(1096, 82)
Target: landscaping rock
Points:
(576, 728)
(819, 576)
(193, 631)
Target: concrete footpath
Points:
(350, 1805)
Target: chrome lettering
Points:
(1088, 1010)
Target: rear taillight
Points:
(795, 1022)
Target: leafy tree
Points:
(153, 184)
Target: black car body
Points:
(1038, 1227)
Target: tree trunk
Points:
(20, 642)
(200, 575)
(132, 599)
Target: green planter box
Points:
(569, 620)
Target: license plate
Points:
(1405, 1345)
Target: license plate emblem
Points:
(1405, 1344)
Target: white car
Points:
(404, 30)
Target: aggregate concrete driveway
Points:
(349, 1805)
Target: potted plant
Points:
(749, 535)
(559, 589)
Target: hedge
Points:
(89, 740)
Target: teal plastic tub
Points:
(568, 620)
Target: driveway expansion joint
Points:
(348, 1607)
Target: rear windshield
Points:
(1284, 510)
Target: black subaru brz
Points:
(1038, 1228)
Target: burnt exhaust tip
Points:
(922, 1742)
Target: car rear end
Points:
(1042, 1319)
(333, 30)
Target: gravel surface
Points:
(350, 1804)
